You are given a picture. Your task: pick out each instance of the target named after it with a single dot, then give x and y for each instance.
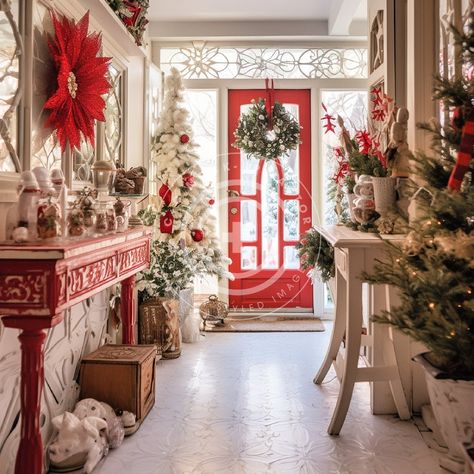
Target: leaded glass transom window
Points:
(200, 60)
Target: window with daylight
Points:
(10, 91)
(202, 106)
(352, 107)
(201, 60)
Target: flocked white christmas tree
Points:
(183, 202)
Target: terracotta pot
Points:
(453, 408)
(384, 194)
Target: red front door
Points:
(269, 208)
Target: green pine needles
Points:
(253, 137)
(316, 254)
(434, 267)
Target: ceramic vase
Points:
(188, 321)
(384, 194)
(452, 402)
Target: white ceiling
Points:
(235, 10)
(257, 18)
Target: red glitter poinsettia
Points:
(81, 81)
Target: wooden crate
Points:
(122, 376)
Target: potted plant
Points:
(171, 270)
(433, 268)
(317, 256)
(368, 160)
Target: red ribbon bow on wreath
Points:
(270, 101)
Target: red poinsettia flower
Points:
(81, 81)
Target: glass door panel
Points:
(269, 186)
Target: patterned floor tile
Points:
(245, 404)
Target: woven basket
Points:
(213, 310)
(159, 325)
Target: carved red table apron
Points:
(37, 283)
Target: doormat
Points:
(261, 325)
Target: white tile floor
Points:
(245, 404)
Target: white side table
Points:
(354, 253)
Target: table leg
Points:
(29, 458)
(353, 337)
(127, 310)
(338, 328)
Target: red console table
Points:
(39, 282)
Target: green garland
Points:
(133, 14)
(253, 137)
(317, 253)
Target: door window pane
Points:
(291, 258)
(248, 174)
(291, 171)
(270, 216)
(248, 166)
(248, 258)
(248, 221)
(291, 220)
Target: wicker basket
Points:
(159, 325)
(213, 310)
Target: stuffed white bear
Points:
(79, 443)
(116, 425)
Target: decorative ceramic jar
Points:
(49, 220)
(384, 194)
(452, 401)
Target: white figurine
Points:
(117, 426)
(398, 154)
(79, 443)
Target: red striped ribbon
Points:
(464, 157)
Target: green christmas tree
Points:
(434, 267)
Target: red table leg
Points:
(29, 459)
(127, 310)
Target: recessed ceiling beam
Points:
(341, 15)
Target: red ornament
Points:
(211, 202)
(188, 180)
(81, 81)
(165, 194)
(184, 138)
(197, 235)
(166, 223)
